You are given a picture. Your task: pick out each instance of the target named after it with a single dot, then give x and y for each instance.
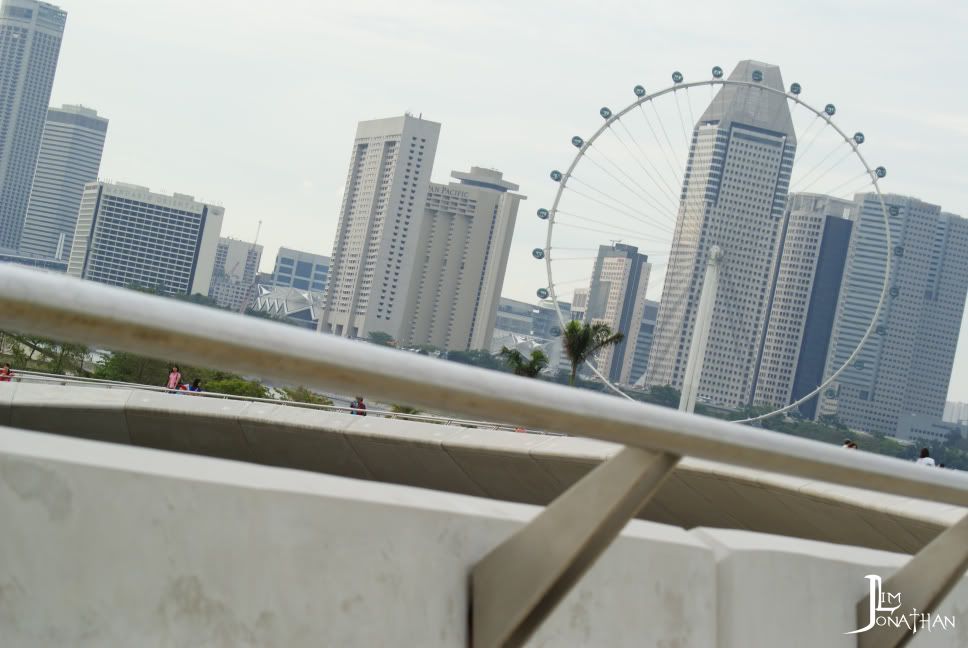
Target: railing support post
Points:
(922, 583)
(516, 586)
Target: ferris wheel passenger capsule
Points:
(639, 91)
(556, 175)
(717, 72)
(538, 253)
(859, 138)
(880, 172)
(543, 293)
(830, 109)
(605, 113)
(677, 77)
(543, 214)
(796, 89)
(577, 142)
(757, 76)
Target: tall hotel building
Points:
(905, 367)
(462, 250)
(616, 297)
(30, 40)
(375, 252)
(733, 196)
(128, 235)
(811, 258)
(70, 157)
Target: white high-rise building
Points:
(905, 367)
(461, 258)
(733, 196)
(234, 273)
(30, 40)
(375, 249)
(128, 235)
(616, 297)
(70, 157)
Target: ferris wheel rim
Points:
(851, 141)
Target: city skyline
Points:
(523, 143)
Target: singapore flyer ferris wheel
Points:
(702, 221)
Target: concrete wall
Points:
(524, 468)
(110, 545)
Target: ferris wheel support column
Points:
(700, 334)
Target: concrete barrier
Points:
(113, 545)
(522, 468)
(120, 546)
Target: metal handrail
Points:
(72, 310)
(27, 376)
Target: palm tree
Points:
(522, 366)
(583, 340)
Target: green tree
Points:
(404, 409)
(582, 340)
(303, 395)
(524, 366)
(382, 339)
(478, 358)
(664, 395)
(128, 367)
(236, 386)
(44, 354)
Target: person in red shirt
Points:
(5, 373)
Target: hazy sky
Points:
(254, 105)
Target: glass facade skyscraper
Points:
(30, 40)
(733, 196)
(70, 157)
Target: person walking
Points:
(6, 373)
(174, 378)
(358, 407)
(925, 458)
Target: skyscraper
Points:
(810, 267)
(70, 157)
(733, 196)
(375, 249)
(616, 297)
(234, 273)
(905, 367)
(30, 40)
(128, 235)
(461, 257)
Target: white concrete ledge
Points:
(502, 465)
(115, 545)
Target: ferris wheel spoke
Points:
(628, 210)
(839, 189)
(612, 232)
(802, 178)
(805, 142)
(672, 149)
(830, 168)
(661, 184)
(676, 177)
(692, 118)
(645, 198)
(682, 123)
